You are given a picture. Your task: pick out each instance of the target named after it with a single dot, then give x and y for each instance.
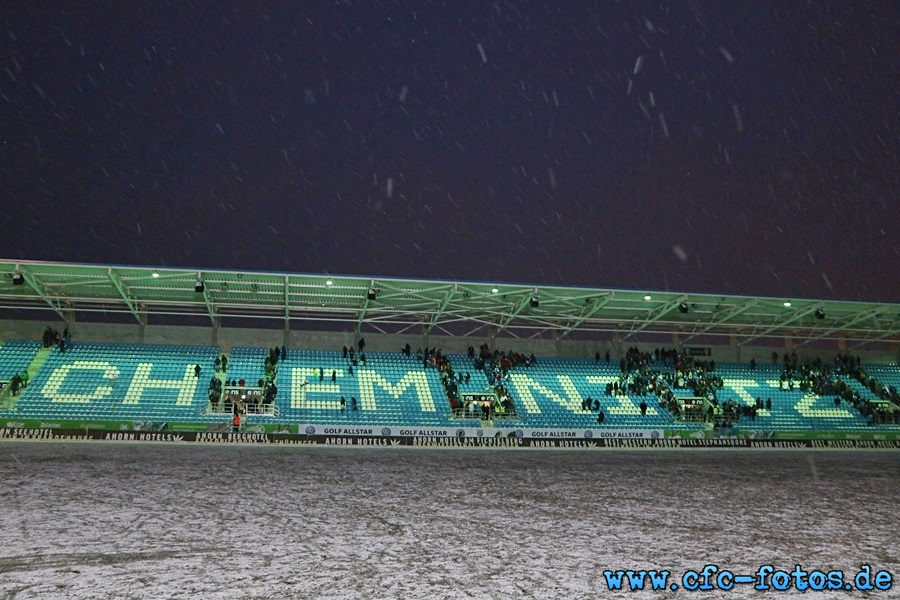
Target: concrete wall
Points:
(228, 337)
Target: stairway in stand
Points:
(39, 359)
(8, 401)
(222, 376)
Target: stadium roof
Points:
(393, 305)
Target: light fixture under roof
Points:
(329, 282)
(648, 297)
(787, 304)
(154, 274)
(494, 290)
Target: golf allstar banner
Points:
(481, 432)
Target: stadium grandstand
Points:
(168, 354)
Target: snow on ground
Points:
(82, 520)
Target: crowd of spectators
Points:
(451, 380)
(214, 391)
(270, 369)
(664, 370)
(825, 381)
(238, 400)
(819, 378)
(885, 409)
(353, 358)
(52, 337)
(495, 402)
(497, 366)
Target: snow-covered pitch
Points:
(90, 520)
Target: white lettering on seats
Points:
(526, 387)
(186, 386)
(301, 386)
(368, 379)
(804, 407)
(58, 377)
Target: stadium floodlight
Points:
(198, 287)
(787, 304)
(535, 302)
(329, 283)
(683, 307)
(494, 290)
(18, 278)
(820, 313)
(648, 297)
(154, 274)
(371, 295)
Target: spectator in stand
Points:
(362, 344)
(236, 422)
(14, 384)
(283, 354)
(601, 416)
(752, 364)
(333, 376)
(224, 363)
(597, 357)
(217, 365)
(343, 403)
(643, 407)
(197, 370)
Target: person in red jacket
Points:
(236, 422)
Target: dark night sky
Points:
(723, 147)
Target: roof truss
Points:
(401, 305)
